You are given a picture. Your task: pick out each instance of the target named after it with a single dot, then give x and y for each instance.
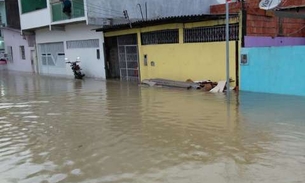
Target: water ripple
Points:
(60, 130)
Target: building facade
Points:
(273, 45)
(176, 48)
(19, 51)
(58, 36)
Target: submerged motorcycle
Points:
(76, 68)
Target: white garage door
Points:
(52, 58)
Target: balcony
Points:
(77, 10)
(32, 5)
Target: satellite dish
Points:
(269, 4)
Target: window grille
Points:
(210, 34)
(127, 40)
(160, 37)
(90, 43)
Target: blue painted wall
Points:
(279, 70)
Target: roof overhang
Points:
(165, 20)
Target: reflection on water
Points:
(60, 130)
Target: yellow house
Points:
(177, 48)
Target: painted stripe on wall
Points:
(255, 41)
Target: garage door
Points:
(52, 58)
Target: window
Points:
(22, 52)
(90, 43)
(32, 5)
(160, 37)
(210, 34)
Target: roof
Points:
(165, 20)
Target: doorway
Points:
(122, 58)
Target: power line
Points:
(98, 7)
(98, 10)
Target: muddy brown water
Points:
(62, 130)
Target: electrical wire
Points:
(98, 10)
(102, 13)
(98, 7)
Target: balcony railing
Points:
(32, 5)
(77, 10)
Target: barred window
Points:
(90, 43)
(210, 34)
(160, 37)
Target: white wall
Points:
(39, 18)
(91, 66)
(13, 38)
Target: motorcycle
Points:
(76, 68)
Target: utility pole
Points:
(125, 12)
(227, 47)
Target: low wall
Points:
(278, 70)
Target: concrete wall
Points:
(91, 66)
(182, 61)
(257, 41)
(39, 18)
(278, 70)
(196, 61)
(13, 38)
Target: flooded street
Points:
(63, 130)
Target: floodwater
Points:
(62, 130)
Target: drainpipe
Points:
(244, 23)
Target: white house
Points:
(20, 50)
(57, 36)
(17, 49)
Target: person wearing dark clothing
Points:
(67, 7)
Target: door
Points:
(128, 62)
(52, 58)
